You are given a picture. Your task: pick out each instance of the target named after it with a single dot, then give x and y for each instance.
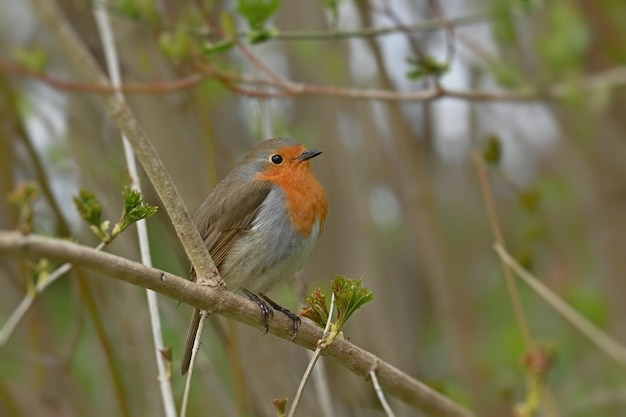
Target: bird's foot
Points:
(266, 311)
(295, 320)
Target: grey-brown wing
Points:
(221, 224)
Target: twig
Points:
(31, 295)
(194, 353)
(230, 305)
(103, 24)
(316, 355)
(380, 394)
(598, 337)
(610, 78)
(497, 235)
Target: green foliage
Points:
(317, 309)
(136, 9)
(24, 198)
(565, 43)
(258, 12)
(349, 297)
(176, 45)
(505, 74)
(492, 151)
(32, 58)
(503, 26)
(425, 67)
(90, 209)
(281, 406)
(134, 210)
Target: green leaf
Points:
(134, 210)
(257, 12)
(425, 67)
(34, 59)
(261, 35)
(317, 309)
(210, 48)
(228, 25)
(349, 297)
(89, 208)
(176, 44)
(492, 152)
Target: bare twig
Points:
(598, 337)
(380, 394)
(194, 354)
(497, 235)
(321, 344)
(230, 305)
(31, 295)
(608, 79)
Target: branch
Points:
(233, 306)
(122, 116)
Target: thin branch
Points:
(194, 354)
(28, 300)
(103, 24)
(321, 344)
(609, 79)
(499, 239)
(471, 18)
(230, 305)
(381, 395)
(598, 337)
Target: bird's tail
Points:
(191, 337)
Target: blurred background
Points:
(533, 89)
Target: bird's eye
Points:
(276, 159)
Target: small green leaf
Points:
(175, 44)
(134, 210)
(530, 200)
(425, 67)
(261, 35)
(492, 152)
(228, 25)
(89, 208)
(210, 48)
(317, 309)
(281, 406)
(257, 12)
(34, 59)
(349, 297)
(24, 197)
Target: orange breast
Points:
(305, 197)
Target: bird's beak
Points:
(308, 154)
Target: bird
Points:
(260, 223)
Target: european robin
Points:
(261, 222)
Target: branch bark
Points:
(233, 306)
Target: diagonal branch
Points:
(122, 116)
(233, 306)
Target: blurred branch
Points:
(496, 229)
(20, 311)
(322, 344)
(609, 79)
(471, 18)
(599, 338)
(233, 306)
(121, 114)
